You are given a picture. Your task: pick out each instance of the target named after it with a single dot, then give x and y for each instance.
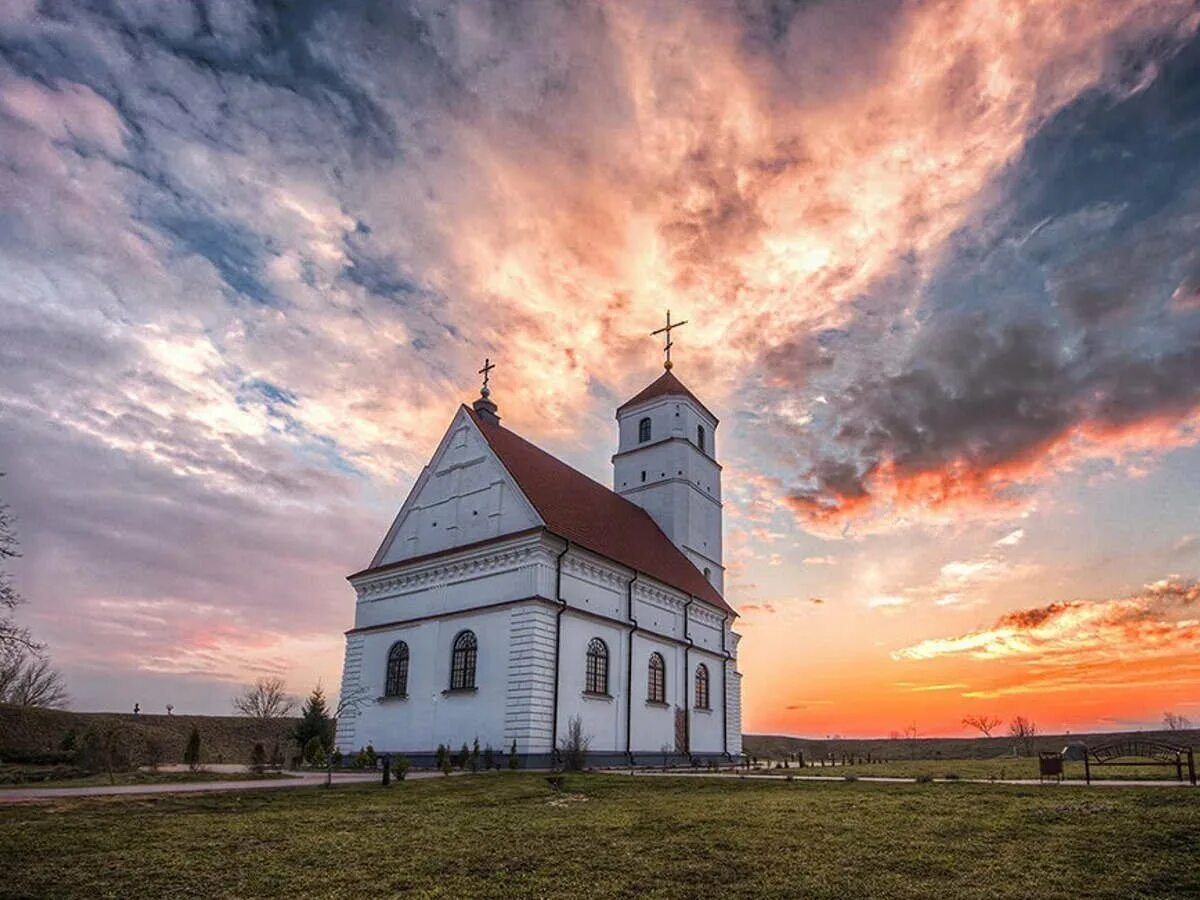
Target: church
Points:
(512, 593)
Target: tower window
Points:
(700, 438)
(644, 430)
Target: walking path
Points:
(895, 779)
(293, 779)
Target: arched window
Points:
(395, 684)
(462, 661)
(656, 681)
(700, 438)
(702, 686)
(644, 430)
(596, 681)
(708, 573)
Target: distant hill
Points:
(223, 738)
(773, 746)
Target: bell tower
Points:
(666, 463)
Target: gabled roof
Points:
(666, 385)
(587, 513)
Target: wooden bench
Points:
(1141, 752)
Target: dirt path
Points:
(294, 779)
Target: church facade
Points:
(512, 593)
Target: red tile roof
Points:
(587, 513)
(666, 385)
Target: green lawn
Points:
(1001, 768)
(605, 835)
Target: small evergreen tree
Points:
(191, 753)
(315, 722)
(475, 755)
(400, 765)
(370, 757)
(314, 752)
(463, 756)
(514, 761)
(276, 756)
(489, 757)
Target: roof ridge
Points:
(596, 534)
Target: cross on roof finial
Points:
(486, 371)
(669, 342)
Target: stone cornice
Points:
(530, 550)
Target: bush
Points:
(924, 779)
(463, 755)
(258, 758)
(475, 755)
(276, 756)
(152, 752)
(514, 761)
(191, 753)
(105, 750)
(574, 746)
(401, 765)
(41, 757)
(337, 759)
(952, 776)
(370, 757)
(360, 759)
(844, 777)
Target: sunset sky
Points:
(940, 261)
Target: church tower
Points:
(666, 463)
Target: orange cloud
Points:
(1161, 620)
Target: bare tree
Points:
(1024, 730)
(1173, 721)
(27, 679)
(910, 735)
(12, 635)
(573, 747)
(983, 724)
(267, 698)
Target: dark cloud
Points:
(1059, 315)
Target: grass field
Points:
(606, 835)
(1001, 769)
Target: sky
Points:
(939, 263)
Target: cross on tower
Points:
(486, 371)
(669, 343)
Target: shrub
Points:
(152, 752)
(337, 759)
(475, 755)
(844, 778)
(401, 765)
(103, 749)
(463, 755)
(441, 755)
(951, 776)
(489, 757)
(370, 756)
(574, 746)
(514, 761)
(277, 756)
(360, 759)
(924, 779)
(191, 753)
(258, 758)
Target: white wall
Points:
(464, 495)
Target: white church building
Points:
(513, 593)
